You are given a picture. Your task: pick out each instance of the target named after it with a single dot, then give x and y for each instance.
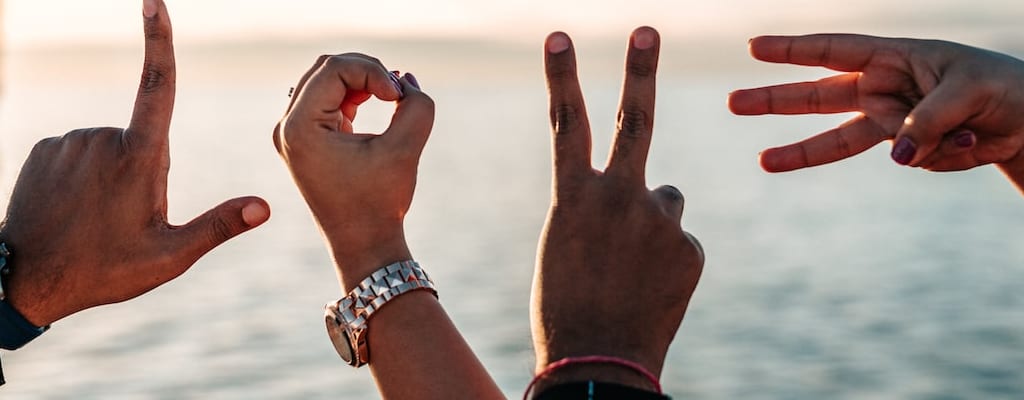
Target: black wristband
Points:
(15, 330)
(591, 390)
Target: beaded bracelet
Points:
(592, 360)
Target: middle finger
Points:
(636, 109)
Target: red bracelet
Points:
(592, 360)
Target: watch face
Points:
(338, 335)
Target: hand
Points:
(87, 221)
(615, 271)
(358, 186)
(946, 106)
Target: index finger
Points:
(636, 109)
(154, 104)
(841, 52)
(568, 112)
(325, 92)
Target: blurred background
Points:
(857, 280)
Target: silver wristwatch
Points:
(347, 318)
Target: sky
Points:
(36, 22)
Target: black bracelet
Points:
(591, 390)
(15, 330)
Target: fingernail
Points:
(643, 39)
(903, 152)
(558, 43)
(964, 139)
(254, 214)
(398, 85)
(412, 80)
(149, 8)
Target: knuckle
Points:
(633, 122)
(336, 61)
(286, 133)
(814, 100)
(343, 61)
(45, 144)
(360, 56)
(825, 56)
(566, 118)
(842, 143)
(641, 69)
(89, 134)
(220, 230)
(154, 77)
(76, 134)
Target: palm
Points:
(886, 96)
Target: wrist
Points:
(604, 369)
(20, 324)
(553, 350)
(359, 252)
(32, 307)
(21, 287)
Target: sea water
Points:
(856, 280)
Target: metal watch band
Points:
(349, 315)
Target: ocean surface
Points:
(857, 280)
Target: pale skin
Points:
(615, 270)
(945, 106)
(87, 221)
(359, 188)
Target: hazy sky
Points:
(32, 22)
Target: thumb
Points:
(941, 111)
(227, 220)
(671, 200)
(414, 117)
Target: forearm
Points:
(415, 350)
(417, 353)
